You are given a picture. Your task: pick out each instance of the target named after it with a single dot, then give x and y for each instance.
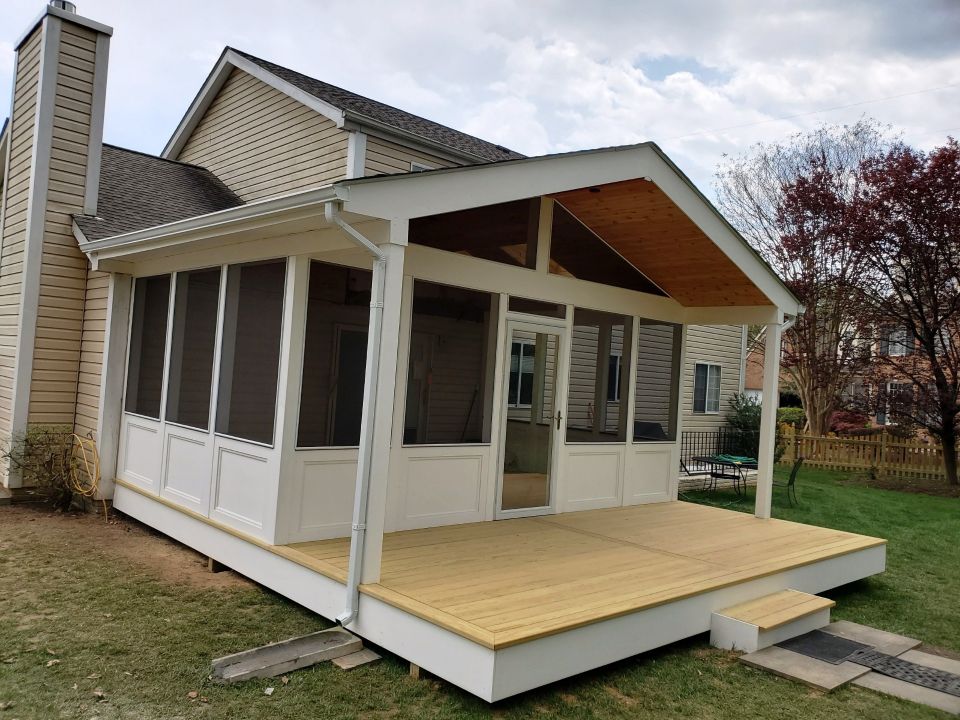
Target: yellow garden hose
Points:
(85, 470)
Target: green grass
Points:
(150, 638)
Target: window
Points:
(250, 357)
(536, 307)
(334, 356)
(522, 355)
(898, 400)
(451, 366)
(898, 343)
(613, 378)
(655, 400)
(192, 347)
(706, 388)
(148, 341)
(594, 412)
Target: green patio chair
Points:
(791, 483)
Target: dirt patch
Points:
(121, 537)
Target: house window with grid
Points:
(522, 355)
(706, 388)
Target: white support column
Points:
(295, 318)
(383, 403)
(112, 373)
(768, 419)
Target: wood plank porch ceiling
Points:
(638, 220)
(512, 581)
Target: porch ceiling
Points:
(638, 220)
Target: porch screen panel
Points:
(658, 376)
(334, 356)
(250, 359)
(450, 378)
(598, 369)
(192, 347)
(148, 340)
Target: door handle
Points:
(559, 418)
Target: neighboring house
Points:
(328, 342)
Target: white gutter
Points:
(220, 220)
(358, 530)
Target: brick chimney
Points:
(51, 171)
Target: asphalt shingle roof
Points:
(378, 111)
(138, 191)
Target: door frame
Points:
(535, 324)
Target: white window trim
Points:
(706, 399)
(898, 347)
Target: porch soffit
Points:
(640, 222)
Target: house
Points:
(404, 377)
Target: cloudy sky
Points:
(700, 78)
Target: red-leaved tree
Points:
(909, 240)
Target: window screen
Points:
(192, 347)
(334, 356)
(250, 359)
(657, 382)
(148, 340)
(451, 366)
(597, 371)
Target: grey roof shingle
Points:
(380, 112)
(138, 191)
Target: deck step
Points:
(770, 619)
(285, 656)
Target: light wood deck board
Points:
(772, 611)
(502, 583)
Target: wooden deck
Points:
(512, 581)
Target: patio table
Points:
(728, 467)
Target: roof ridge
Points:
(158, 157)
(510, 154)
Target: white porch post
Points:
(383, 402)
(768, 419)
(112, 373)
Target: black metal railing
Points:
(722, 441)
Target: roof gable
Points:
(341, 106)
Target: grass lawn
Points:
(88, 607)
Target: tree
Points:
(794, 203)
(910, 212)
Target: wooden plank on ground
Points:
(286, 656)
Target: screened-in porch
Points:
(348, 370)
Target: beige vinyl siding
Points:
(91, 353)
(719, 345)
(386, 158)
(15, 199)
(263, 143)
(63, 272)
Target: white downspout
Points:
(365, 455)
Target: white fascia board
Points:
(222, 221)
(230, 60)
(450, 189)
(4, 148)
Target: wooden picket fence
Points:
(884, 454)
